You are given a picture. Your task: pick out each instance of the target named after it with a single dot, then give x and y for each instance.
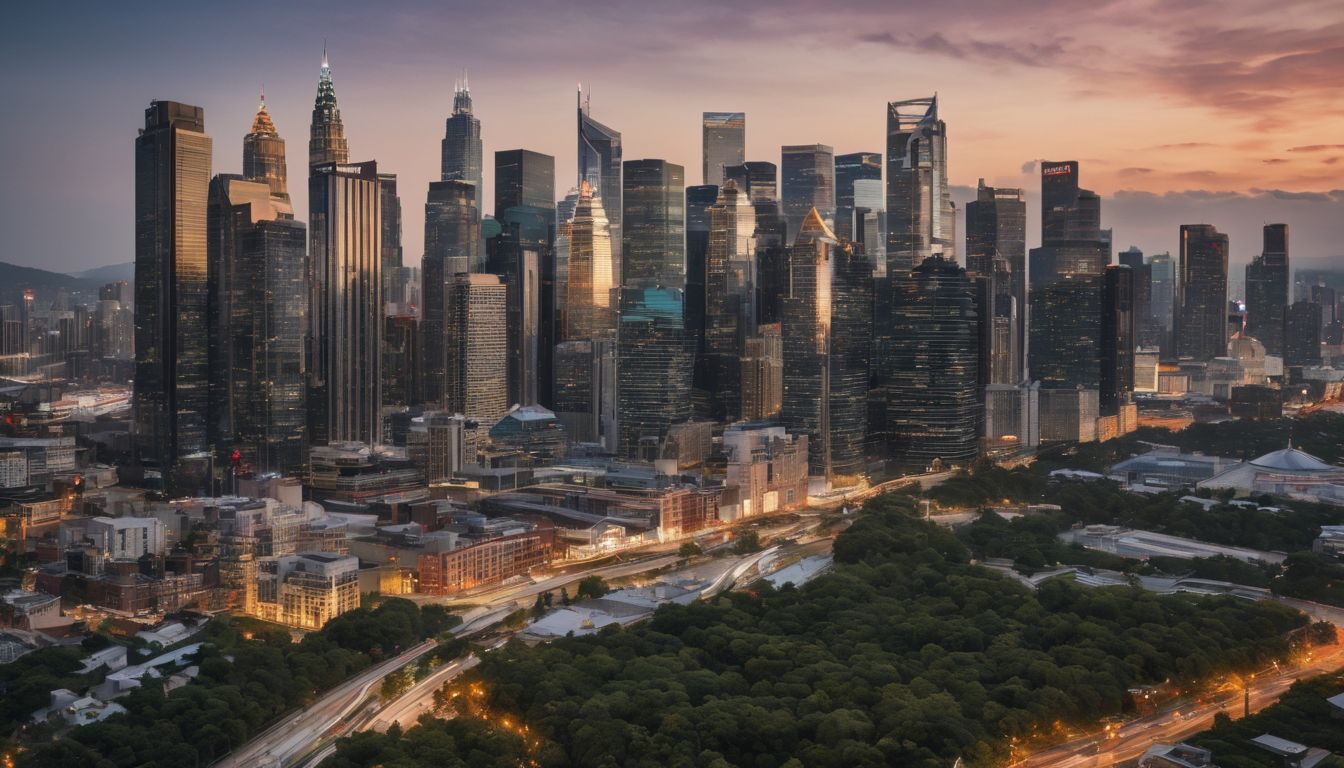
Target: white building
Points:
(13, 469)
(126, 538)
(766, 472)
(307, 590)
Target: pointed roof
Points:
(262, 124)
(813, 229)
(1292, 460)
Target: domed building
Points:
(1285, 472)
(1250, 354)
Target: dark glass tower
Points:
(326, 138)
(1117, 338)
(264, 152)
(1267, 290)
(730, 299)
(523, 255)
(346, 311)
(391, 226)
(172, 183)
(921, 220)
(856, 166)
(698, 201)
(759, 178)
(723, 143)
(933, 404)
(461, 147)
(996, 248)
(807, 181)
(653, 252)
(452, 230)
(1302, 334)
(258, 300)
(600, 166)
(1201, 293)
(654, 370)
(1146, 331)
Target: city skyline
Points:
(1216, 158)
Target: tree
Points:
(689, 549)
(747, 542)
(592, 587)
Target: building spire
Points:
(324, 54)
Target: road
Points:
(416, 701)
(280, 742)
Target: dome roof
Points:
(1243, 347)
(1293, 460)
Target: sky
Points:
(1228, 112)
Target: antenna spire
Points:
(324, 53)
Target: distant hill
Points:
(14, 279)
(109, 274)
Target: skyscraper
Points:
(822, 395)
(933, 404)
(1117, 338)
(1267, 290)
(758, 178)
(1302, 334)
(654, 370)
(1163, 298)
(390, 231)
(264, 152)
(1201, 293)
(699, 199)
(476, 316)
(452, 231)
(589, 293)
(849, 169)
(523, 255)
(723, 142)
(921, 220)
(807, 181)
(258, 300)
(346, 311)
(326, 138)
(996, 247)
(653, 198)
(730, 298)
(1146, 331)
(461, 146)
(600, 164)
(172, 181)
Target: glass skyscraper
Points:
(476, 318)
(730, 299)
(654, 369)
(452, 231)
(171, 397)
(849, 169)
(600, 165)
(807, 181)
(1201, 293)
(264, 152)
(698, 201)
(921, 220)
(326, 138)
(461, 146)
(723, 143)
(1117, 338)
(996, 247)
(590, 288)
(1267, 290)
(758, 178)
(653, 253)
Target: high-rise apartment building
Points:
(1267, 290)
(461, 146)
(921, 219)
(476, 319)
(452, 231)
(600, 165)
(723, 142)
(653, 199)
(1201, 293)
(345, 204)
(996, 248)
(171, 399)
(807, 181)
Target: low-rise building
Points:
(1285, 472)
(1176, 756)
(766, 470)
(307, 590)
(1167, 467)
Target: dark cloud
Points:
(1030, 53)
(1316, 148)
(1185, 145)
(1030, 166)
(1274, 161)
(1134, 171)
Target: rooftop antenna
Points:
(324, 53)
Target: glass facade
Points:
(653, 252)
(654, 370)
(452, 231)
(921, 220)
(851, 168)
(698, 202)
(1117, 338)
(264, 153)
(1201, 293)
(600, 166)
(461, 147)
(723, 143)
(996, 247)
(171, 399)
(589, 311)
(326, 138)
(758, 178)
(476, 312)
(807, 181)
(730, 299)
(1267, 290)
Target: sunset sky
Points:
(1225, 112)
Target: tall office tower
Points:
(585, 389)
(933, 406)
(476, 318)
(822, 396)
(698, 202)
(390, 231)
(758, 178)
(996, 246)
(264, 152)
(1326, 297)
(1201, 293)
(921, 220)
(452, 231)
(1302, 334)
(1267, 290)
(172, 182)
(1064, 345)
(730, 299)
(600, 164)
(523, 255)
(763, 375)
(1163, 299)
(849, 169)
(772, 262)
(461, 147)
(258, 299)
(723, 143)
(564, 215)
(326, 138)
(653, 196)
(1117, 338)
(590, 309)
(654, 373)
(1147, 332)
(402, 377)
(346, 310)
(807, 181)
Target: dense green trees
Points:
(905, 655)
(243, 685)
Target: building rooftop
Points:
(1278, 746)
(1293, 460)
